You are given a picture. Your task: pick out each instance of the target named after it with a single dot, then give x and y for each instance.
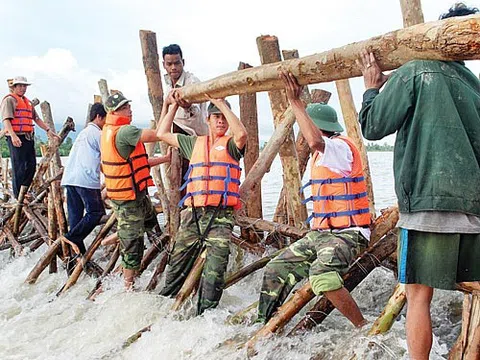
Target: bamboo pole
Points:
(191, 282)
(350, 117)
(103, 87)
(90, 251)
(248, 115)
(269, 51)
(448, 40)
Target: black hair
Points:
(97, 109)
(172, 49)
(459, 9)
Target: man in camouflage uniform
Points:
(324, 254)
(203, 227)
(135, 215)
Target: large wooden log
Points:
(48, 119)
(449, 40)
(248, 115)
(37, 182)
(269, 50)
(350, 117)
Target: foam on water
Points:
(35, 324)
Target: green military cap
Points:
(324, 117)
(115, 101)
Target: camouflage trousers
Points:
(323, 256)
(134, 218)
(189, 245)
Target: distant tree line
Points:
(64, 148)
(370, 147)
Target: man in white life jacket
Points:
(340, 218)
(212, 183)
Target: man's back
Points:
(83, 168)
(434, 107)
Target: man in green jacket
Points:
(434, 109)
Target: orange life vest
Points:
(338, 201)
(213, 177)
(23, 117)
(123, 178)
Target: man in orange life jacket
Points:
(18, 116)
(126, 167)
(341, 219)
(212, 183)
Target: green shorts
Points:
(436, 259)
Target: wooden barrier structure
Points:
(450, 39)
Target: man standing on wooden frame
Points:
(211, 197)
(434, 109)
(82, 181)
(19, 118)
(340, 218)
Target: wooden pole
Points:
(467, 346)
(72, 280)
(411, 12)
(350, 117)
(248, 115)
(103, 87)
(18, 209)
(44, 261)
(37, 182)
(191, 282)
(449, 40)
(6, 195)
(264, 161)
(269, 51)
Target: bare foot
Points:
(75, 248)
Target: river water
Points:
(35, 324)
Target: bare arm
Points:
(237, 128)
(164, 130)
(312, 134)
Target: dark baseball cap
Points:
(212, 109)
(97, 109)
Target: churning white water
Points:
(35, 324)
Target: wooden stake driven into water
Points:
(269, 51)
(248, 115)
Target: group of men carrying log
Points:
(432, 106)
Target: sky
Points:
(64, 47)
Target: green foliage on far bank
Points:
(377, 147)
(64, 148)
